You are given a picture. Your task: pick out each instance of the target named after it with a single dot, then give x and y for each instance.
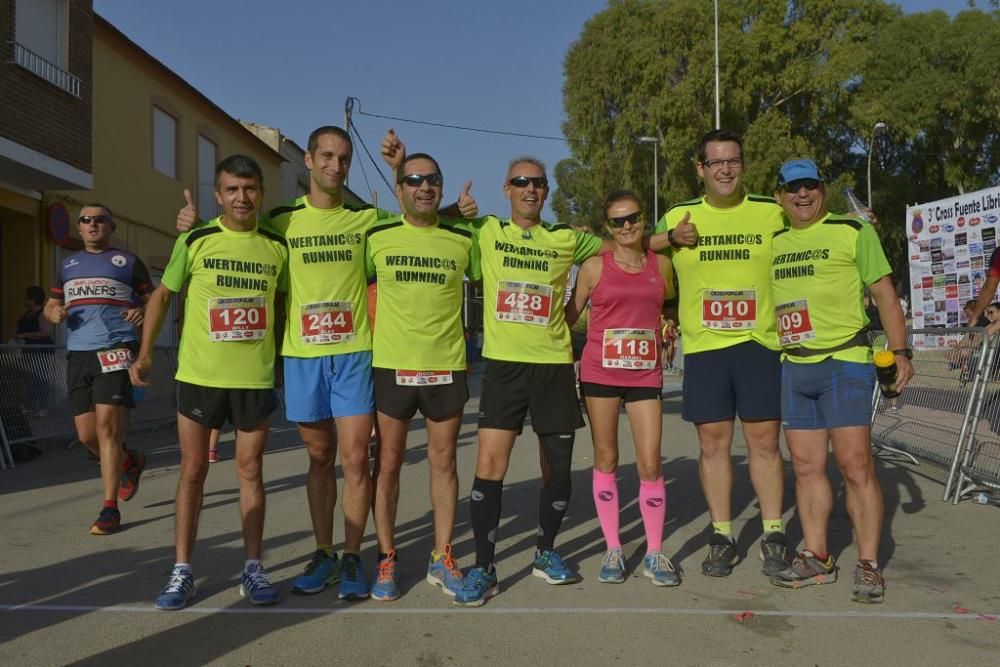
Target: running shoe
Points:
(353, 582)
(869, 584)
(550, 566)
(256, 587)
(322, 570)
(477, 587)
(444, 572)
(774, 553)
(178, 591)
(385, 587)
(132, 468)
(108, 521)
(806, 570)
(722, 556)
(660, 569)
(612, 567)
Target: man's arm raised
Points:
(187, 217)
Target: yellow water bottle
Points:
(885, 371)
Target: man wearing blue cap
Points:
(822, 265)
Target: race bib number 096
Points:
(794, 326)
(629, 348)
(327, 322)
(729, 309)
(237, 318)
(423, 378)
(115, 360)
(530, 303)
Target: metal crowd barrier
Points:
(946, 414)
(34, 398)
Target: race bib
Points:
(524, 302)
(794, 326)
(327, 322)
(729, 309)
(237, 318)
(629, 348)
(119, 359)
(423, 378)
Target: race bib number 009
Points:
(729, 309)
(423, 378)
(629, 348)
(237, 318)
(530, 303)
(794, 326)
(327, 322)
(115, 360)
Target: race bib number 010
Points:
(237, 318)
(327, 322)
(530, 303)
(629, 348)
(119, 359)
(423, 378)
(794, 326)
(729, 309)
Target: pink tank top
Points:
(623, 337)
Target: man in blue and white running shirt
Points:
(95, 294)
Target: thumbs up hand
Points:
(685, 233)
(187, 217)
(393, 150)
(467, 205)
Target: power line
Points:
(357, 134)
(351, 101)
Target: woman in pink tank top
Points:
(621, 362)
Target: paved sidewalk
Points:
(66, 596)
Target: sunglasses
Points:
(522, 181)
(416, 180)
(89, 219)
(794, 186)
(632, 218)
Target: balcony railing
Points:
(38, 65)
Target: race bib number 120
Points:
(530, 303)
(629, 348)
(237, 318)
(729, 309)
(327, 322)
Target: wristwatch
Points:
(670, 238)
(904, 352)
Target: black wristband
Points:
(904, 352)
(670, 238)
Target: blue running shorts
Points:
(828, 394)
(339, 385)
(741, 380)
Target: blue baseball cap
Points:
(794, 170)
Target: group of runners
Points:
(770, 310)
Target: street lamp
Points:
(656, 174)
(871, 144)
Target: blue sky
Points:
(495, 65)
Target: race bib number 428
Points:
(237, 318)
(729, 309)
(530, 303)
(327, 322)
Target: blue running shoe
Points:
(256, 587)
(385, 587)
(322, 570)
(444, 572)
(179, 589)
(612, 567)
(550, 567)
(477, 587)
(353, 582)
(658, 567)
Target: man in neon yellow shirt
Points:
(419, 260)
(822, 265)
(731, 360)
(233, 267)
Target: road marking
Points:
(508, 611)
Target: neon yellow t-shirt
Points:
(420, 290)
(228, 336)
(820, 273)
(725, 281)
(524, 278)
(327, 297)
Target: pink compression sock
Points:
(653, 507)
(606, 501)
